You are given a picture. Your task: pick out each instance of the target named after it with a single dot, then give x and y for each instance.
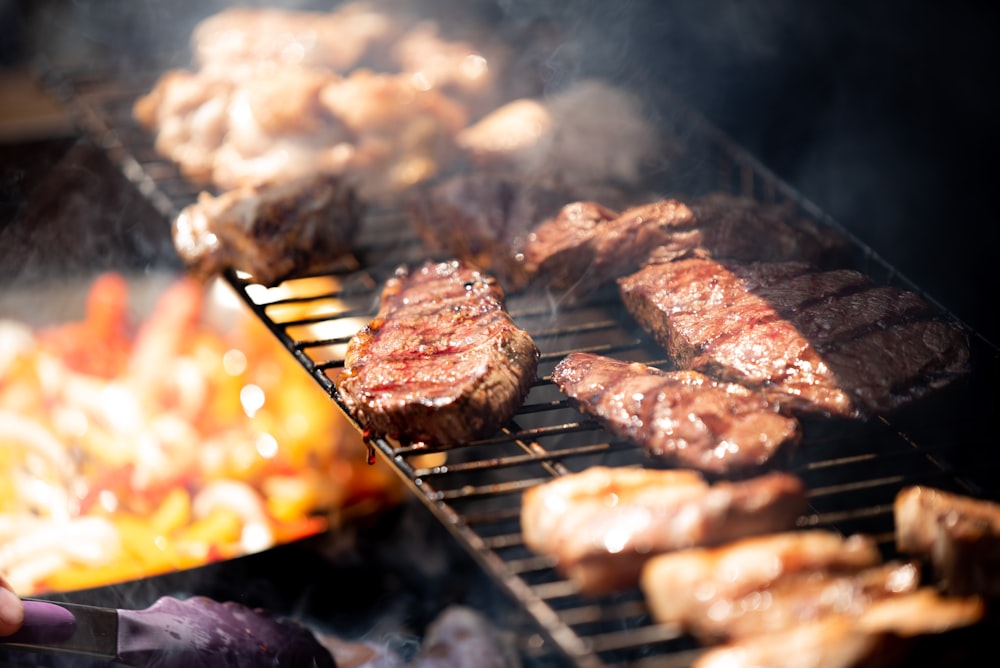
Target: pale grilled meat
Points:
(959, 535)
(682, 416)
(442, 362)
(603, 524)
(879, 637)
(701, 589)
(271, 232)
(829, 342)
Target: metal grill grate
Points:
(853, 470)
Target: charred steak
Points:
(682, 416)
(603, 524)
(271, 232)
(829, 342)
(442, 362)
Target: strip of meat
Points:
(878, 637)
(959, 535)
(682, 416)
(828, 342)
(442, 362)
(705, 590)
(603, 524)
(270, 232)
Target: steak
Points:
(603, 524)
(682, 416)
(271, 232)
(829, 342)
(442, 362)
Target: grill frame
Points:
(852, 469)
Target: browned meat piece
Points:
(442, 362)
(521, 233)
(879, 637)
(272, 232)
(959, 535)
(769, 582)
(481, 220)
(683, 416)
(818, 341)
(603, 524)
(742, 228)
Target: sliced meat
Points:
(442, 362)
(682, 416)
(957, 534)
(701, 588)
(603, 524)
(879, 637)
(270, 232)
(826, 342)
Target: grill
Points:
(853, 469)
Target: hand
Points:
(11, 609)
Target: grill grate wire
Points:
(853, 470)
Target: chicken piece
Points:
(271, 232)
(707, 590)
(603, 524)
(959, 535)
(189, 113)
(403, 134)
(241, 38)
(877, 637)
(590, 133)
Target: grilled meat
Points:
(682, 416)
(818, 341)
(442, 362)
(742, 228)
(483, 220)
(520, 233)
(959, 535)
(878, 637)
(603, 524)
(271, 232)
(710, 590)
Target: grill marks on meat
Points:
(603, 524)
(271, 232)
(958, 535)
(442, 362)
(547, 237)
(682, 416)
(818, 341)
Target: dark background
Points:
(882, 113)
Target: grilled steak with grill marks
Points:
(603, 524)
(442, 362)
(829, 342)
(683, 416)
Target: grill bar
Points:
(853, 471)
